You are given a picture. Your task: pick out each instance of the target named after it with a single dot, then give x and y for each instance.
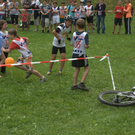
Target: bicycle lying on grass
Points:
(117, 98)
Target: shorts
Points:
(118, 20)
(61, 20)
(36, 21)
(45, 22)
(14, 19)
(79, 63)
(75, 21)
(61, 49)
(29, 16)
(26, 60)
(56, 19)
(24, 24)
(51, 22)
(90, 19)
(83, 18)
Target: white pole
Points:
(111, 73)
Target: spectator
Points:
(100, 7)
(71, 12)
(24, 19)
(45, 16)
(50, 14)
(14, 13)
(118, 16)
(56, 16)
(26, 5)
(127, 17)
(2, 12)
(89, 13)
(35, 5)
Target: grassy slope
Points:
(29, 108)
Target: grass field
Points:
(30, 108)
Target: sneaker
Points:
(83, 87)
(43, 79)
(74, 87)
(28, 75)
(112, 32)
(118, 33)
(59, 73)
(92, 32)
(88, 31)
(48, 73)
(69, 32)
(48, 31)
(35, 30)
(42, 31)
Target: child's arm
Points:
(6, 50)
(56, 35)
(87, 46)
(27, 41)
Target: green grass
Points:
(30, 108)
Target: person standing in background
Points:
(2, 12)
(127, 17)
(26, 5)
(14, 13)
(100, 7)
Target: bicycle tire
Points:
(113, 92)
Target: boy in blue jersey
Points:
(80, 41)
(70, 11)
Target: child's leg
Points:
(63, 56)
(88, 27)
(85, 73)
(91, 25)
(31, 71)
(2, 57)
(51, 63)
(3, 69)
(114, 28)
(119, 28)
(77, 70)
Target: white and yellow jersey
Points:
(62, 31)
(62, 11)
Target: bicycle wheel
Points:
(112, 98)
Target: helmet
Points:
(82, 1)
(69, 18)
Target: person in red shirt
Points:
(118, 16)
(24, 19)
(21, 44)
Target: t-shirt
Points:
(2, 5)
(26, 3)
(45, 10)
(20, 45)
(118, 14)
(77, 13)
(82, 12)
(14, 11)
(62, 11)
(5, 42)
(89, 9)
(62, 31)
(24, 17)
(54, 9)
(80, 39)
(70, 7)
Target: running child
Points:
(59, 42)
(89, 13)
(118, 16)
(24, 19)
(80, 41)
(63, 10)
(21, 45)
(55, 12)
(5, 42)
